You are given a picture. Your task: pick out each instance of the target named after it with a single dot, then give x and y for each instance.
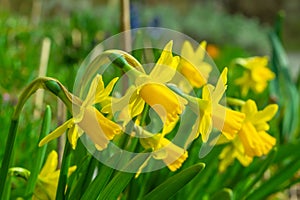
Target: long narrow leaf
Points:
(121, 179)
(284, 174)
(40, 153)
(172, 185)
(225, 194)
(100, 181)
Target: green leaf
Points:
(100, 181)
(275, 182)
(121, 179)
(76, 186)
(224, 194)
(284, 151)
(63, 176)
(284, 86)
(173, 184)
(40, 153)
(246, 188)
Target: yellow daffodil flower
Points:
(256, 75)
(163, 149)
(172, 155)
(234, 150)
(151, 89)
(192, 65)
(213, 114)
(89, 119)
(48, 178)
(253, 135)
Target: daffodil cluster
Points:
(104, 117)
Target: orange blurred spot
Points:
(212, 50)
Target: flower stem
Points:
(234, 101)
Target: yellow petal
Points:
(96, 86)
(249, 108)
(207, 93)
(137, 106)
(98, 128)
(192, 65)
(267, 113)
(200, 52)
(57, 132)
(50, 165)
(101, 95)
(220, 87)
(166, 65)
(205, 126)
(187, 51)
(71, 170)
(73, 136)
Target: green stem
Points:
(144, 115)
(120, 61)
(63, 176)
(234, 101)
(8, 154)
(47, 83)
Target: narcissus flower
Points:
(47, 182)
(253, 135)
(233, 150)
(151, 89)
(256, 76)
(213, 114)
(89, 120)
(163, 149)
(192, 64)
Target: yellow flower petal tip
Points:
(169, 46)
